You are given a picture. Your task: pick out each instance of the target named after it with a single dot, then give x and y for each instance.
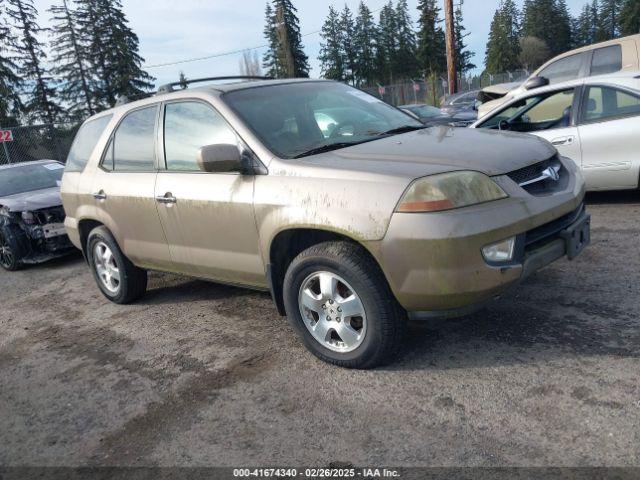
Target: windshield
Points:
(300, 119)
(27, 178)
(424, 111)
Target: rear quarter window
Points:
(606, 60)
(84, 143)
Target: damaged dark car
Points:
(31, 214)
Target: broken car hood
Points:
(36, 200)
(437, 150)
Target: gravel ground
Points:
(198, 374)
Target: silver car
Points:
(593, 121)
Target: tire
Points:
(118, 279)
(379, 331)
(11, 249)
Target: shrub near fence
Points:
(37, 142)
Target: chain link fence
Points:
(434, 90)
(36, 142)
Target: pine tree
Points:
(40, 98)
(270, 60)
(431, 50)
(118, 66)
(71, 63)
(347, 30)
(285, 10)
(405, 64)
(10, 84)
(562, 26)
(597, 34)
(503, 45)
(582, 31)
(364, 46)
(609, 19)
(463, 56)
(331, 56)
(630, 17)
(387, 43)
(535, 23)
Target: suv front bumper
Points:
(434, 263)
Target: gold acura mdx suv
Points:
(354, 215)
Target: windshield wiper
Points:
(402, 129)
(327, 148)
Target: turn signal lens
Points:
(501, 251)
(447, 191)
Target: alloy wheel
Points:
(106, 267)
(332, 312)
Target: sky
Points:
(171, 31)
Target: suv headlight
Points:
(447, 191)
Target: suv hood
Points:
(36, 200)
(438, 150)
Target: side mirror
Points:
(220, 158)
(536, 82)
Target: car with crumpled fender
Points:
(354, 215)
(31, 214)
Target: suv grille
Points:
(542, 177)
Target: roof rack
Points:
(168, 88)
(124, 99)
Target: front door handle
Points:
(100, 195)
(563, 140)
(167, 198)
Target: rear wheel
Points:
(10, 251)
(118, 279)
(340, 304)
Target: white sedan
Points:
(593, 121)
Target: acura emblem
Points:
(551, 173)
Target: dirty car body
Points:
(350, 212)
(31, 213)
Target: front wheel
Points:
(118, 279)
(340, 304)
(10, 250)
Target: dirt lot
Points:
(200, 374)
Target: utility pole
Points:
(285, 44)
(451, 47)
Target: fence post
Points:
(6, 150)
(56, 144)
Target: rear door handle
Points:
(100, 195)
(563, 140)
(166, 198)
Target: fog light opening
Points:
(500, 252)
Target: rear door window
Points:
(606, 103)
(567, 68)
(606, 60)
(84, 143)
(134, 141)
